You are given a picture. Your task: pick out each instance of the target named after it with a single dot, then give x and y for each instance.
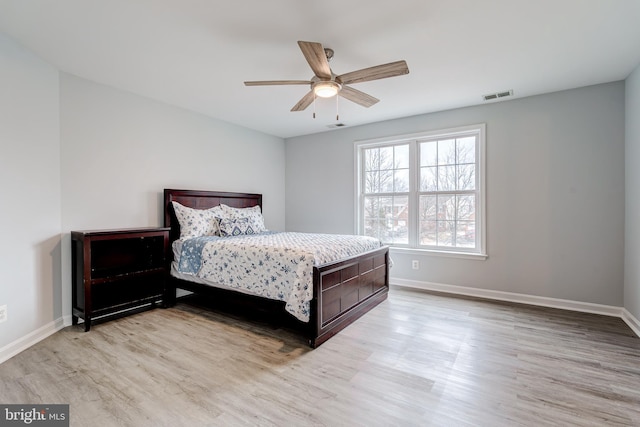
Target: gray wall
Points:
(632, 191)
(30, 194)
(555, 194)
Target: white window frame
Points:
(480, 252)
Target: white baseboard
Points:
(66, 320)
(21, 344)
(633, 323)
(585, 307)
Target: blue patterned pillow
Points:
(197, 222)
(253, 214)
(236, 227)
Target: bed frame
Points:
(342, 291)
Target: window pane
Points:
(401, 156)
(393, 222)
(446, 207)
(371, 159)
(466, 177)
(386, 158)
(428, 209)
(446, 233)
(427, 216)
(372, 183)
(429, 153)
(428, 235)
(466, 234)
(386, 181)
(372, 217)
(428, 179)
(400, 220)
(385, 208)
(466, 207)
(467, 150)
(401, 180)
(446, 178)
(447, 152)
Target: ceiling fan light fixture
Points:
(326, 89)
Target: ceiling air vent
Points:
(497, 95)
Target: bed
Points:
(340, 291)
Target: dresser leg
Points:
(87, 324)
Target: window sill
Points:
(461, 255)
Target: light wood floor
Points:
(417, 359)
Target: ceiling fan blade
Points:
(277, 82)
(391, 69)
(317, 59)
(304, 102)
(357, 96)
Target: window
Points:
(424, 191)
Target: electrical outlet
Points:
(3, 313)
(415, 264)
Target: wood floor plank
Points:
(419, 358)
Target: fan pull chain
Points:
(314, 105)
(337, 109)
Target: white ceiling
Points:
(196, 54)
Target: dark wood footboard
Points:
(345, 290)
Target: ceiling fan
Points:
(326, 84)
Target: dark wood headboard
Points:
(203, 200)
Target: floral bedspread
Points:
(275, 265)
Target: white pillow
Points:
(197, 222)
(254, 215)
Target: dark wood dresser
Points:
(115, 271)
